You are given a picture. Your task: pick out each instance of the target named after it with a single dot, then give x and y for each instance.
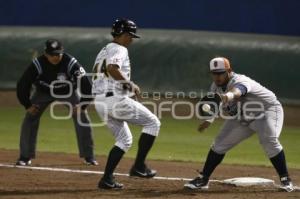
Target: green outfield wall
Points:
(165, 60)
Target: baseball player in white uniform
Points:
(113, 91)
(234, 89)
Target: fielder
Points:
(234, 89)
(112, 89)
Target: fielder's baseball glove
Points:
(209, 105)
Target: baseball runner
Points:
(112, 89)
(234, 89)
(53, 74)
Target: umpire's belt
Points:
(109, 94)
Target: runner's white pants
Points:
(117, 111)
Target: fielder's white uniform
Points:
(268, 127)
(119, 108)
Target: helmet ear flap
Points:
(118, 28)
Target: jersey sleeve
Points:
(77, 70)
(116, 56)
(244, 85)
(86, 90)
(242, 88)
(85, 87)
(25, 83)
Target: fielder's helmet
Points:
(124, 25)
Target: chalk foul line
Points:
(297, 188)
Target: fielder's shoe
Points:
(142, 173)
(286, 184)
(90, 161)
(199, 182)
(109, 184)
(23, 162)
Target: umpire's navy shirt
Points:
(42, 73)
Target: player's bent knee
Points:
(272, 148)
(219, 149)
(152, 128)
(124, 145)
(273, 152)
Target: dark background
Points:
(251, 16)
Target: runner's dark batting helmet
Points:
(121, 26)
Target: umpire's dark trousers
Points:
(31, 122)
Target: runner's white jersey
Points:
(115, 54)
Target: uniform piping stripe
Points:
(37, 65)
(71, 64)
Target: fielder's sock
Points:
(279, 164)
(114, 157)
(145, 143)
(212, 161)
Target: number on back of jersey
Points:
(100, 71)
(104, 69)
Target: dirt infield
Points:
(23, 183)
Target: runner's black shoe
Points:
(142, 173)
(109, 184)
(199, 182)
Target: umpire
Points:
(54, 75)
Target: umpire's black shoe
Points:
(199, 182)
(23, 161)
(109, 184)
(142, 173)
(90, 161)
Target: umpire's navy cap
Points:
(53, 47)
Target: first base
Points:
(248, 181)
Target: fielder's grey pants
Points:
(267, 128)
(30, 127)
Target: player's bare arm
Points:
(34, 109)
(204, 125)
(115, 73)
